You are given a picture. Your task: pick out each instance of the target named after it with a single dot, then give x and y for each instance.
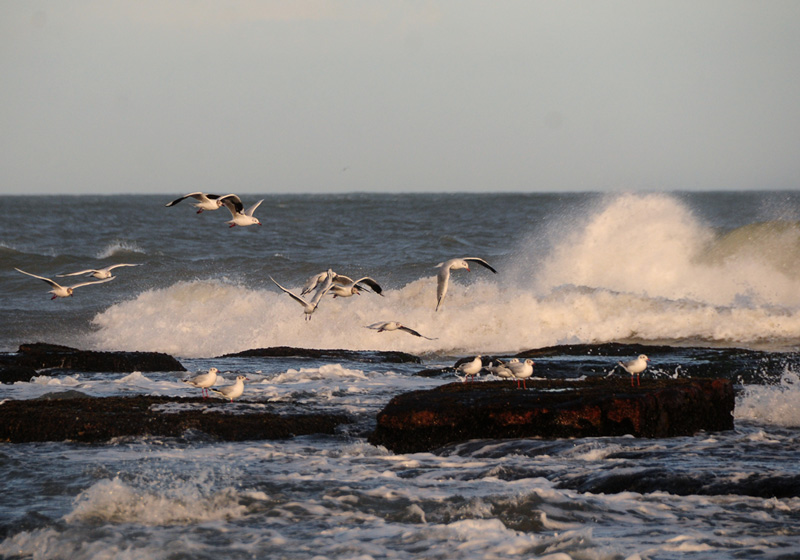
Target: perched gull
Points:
(501, 368)
(443, 276)
(521, 371)
(204, 380)
(310, 306)
(97, 273)
(63, 291)
(394, 326)
(471, 368)
(635, 367)
(232, 391)
(240, 216)
(205, 201)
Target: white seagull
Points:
(346, 287)
(443, 276)
(240, 216)
(97, 273)
(310, 306)
(394, 326)
(521, 371)
(232, 391)
(501, 368)
(635, 367)
(204, 380)
(63, 291)
(471, 368)
(205, 201)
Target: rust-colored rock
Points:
(425, 420)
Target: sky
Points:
(310, 96)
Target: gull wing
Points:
(297, 298)
(87, 271)
(232, 203)
(415, 333)
(51, 282)
(198, 195)
(113, 266)
(95, 282)
(371, 283)
(481, 262)
(252, 209)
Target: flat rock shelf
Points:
(89, 419)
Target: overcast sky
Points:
(254, 96)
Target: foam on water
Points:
(771, 404)
(119, 247)
(637, 267)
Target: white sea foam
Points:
(640, 267)
(119, 247)
(771, 404)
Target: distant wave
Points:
(119, 248)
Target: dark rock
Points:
(100, 419)
(372, 356)
(555, 408)
(39, 356)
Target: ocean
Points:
(712, 270)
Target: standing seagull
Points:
(443, 276)
(310, 306)
(471, 368)
(63, 291)
(204, 380)
(635, 367)
(240, 216)
(521, 371)
(97, 273)
(394, 326)
(205, 201)
(232, 391)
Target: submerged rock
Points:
(38, 356)
(89, 419)
(457, 412)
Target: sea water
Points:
(682, 269)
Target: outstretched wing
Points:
(252, 209)
(95, 282)
(51, 282)
(295, 297)
(371, 283)
(198, 195)
(232, 203)
(87, 271)
(415, 333)
(481, 262)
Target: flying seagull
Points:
(205, 201)
(240, 216)
(443, 276)
(394, 326)
(97, 273)
(310, 306)
(63, 291)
